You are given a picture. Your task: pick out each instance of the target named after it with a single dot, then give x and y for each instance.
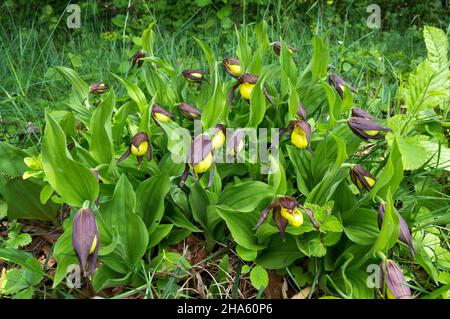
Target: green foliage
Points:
(23, 200)
(144, 216)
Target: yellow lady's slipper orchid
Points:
(286, 210)
(140, 146)
(160, 114)
(362, 178)
(301, 134)
(246, 90)
(140, 150)
(162, 117)
(194, 76)
(200, 159)
(295, 217)
(232, 67)
(298, 138)
(189, 111)
(218, 139)
(204, 165)
(246, 82)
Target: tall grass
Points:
(30, 48)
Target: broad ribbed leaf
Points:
(148, 39)
(320, 58)
(437, 46)
(390, 228)
(11, 163)
(101, 146)
(245, 197)
(241, 227)
(391, 175)
(216, 108)
(120, 218)
(151, 194)
(257, 104)
(74, 182)
(80, 87)
(23, 199)
(134, 92)
(362, 227)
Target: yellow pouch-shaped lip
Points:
(140, 150)
(161, 117)
(246, 90)
(204, 165)
(298, 138)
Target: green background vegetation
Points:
(381, 64)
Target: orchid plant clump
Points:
(144, 171)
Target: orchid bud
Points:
(218, 138)
(189, 111)
(405, 234)
(194, 75)
(137, 58)
(301, 112)
(97, 178)
(338, 83)
(357, 112)
(286, 210)
(232, 67)
(86, 239)
(396, 284)
(362, 178)
(301, 134)
(366, 129)
(140, 146)
(246, 83)
(236, 143)
(98, 88)
(277, 48)
(160, 114)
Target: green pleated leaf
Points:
(217, 106)
(390, 228)
(241, 227)
(24, 200)
(320, 58)
(243, 51)
(391, 175)
(362, 227)
(74, 182)
(245, 197)
(151, 194)
(105, 277)
(65, 256)
(148, 39)
(161, 232)
(279, 253)
(134, 92)
(120, 218)
(209, 55)
(11, 163)
(101, 146)
(80, 87)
